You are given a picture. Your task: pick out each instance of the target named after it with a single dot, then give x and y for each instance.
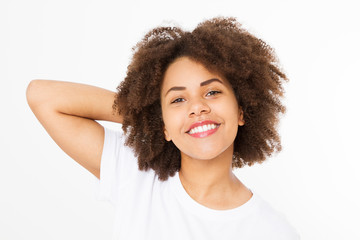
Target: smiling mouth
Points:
(203, 128)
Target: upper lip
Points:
(201, 123)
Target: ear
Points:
(167, 136)
(241, 117)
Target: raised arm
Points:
(68, 112)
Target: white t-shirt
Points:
(147, 208)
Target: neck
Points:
(208, 178)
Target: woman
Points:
(193, 106)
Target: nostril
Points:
(199, 112)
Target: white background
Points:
(314, 181)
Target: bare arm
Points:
(68, 112)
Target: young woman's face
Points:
(199, 109)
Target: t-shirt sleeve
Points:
(274, 224)
(118, 166)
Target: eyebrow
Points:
(204, 83)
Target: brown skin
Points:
(224, 49)
(68, 112)
(206, 162)
(219, 48)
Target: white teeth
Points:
(203, 128)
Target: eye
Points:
(178, 100)
(212, 93)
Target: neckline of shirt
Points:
(208, 213)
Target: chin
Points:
(205, 150)
(203, 155)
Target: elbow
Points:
(32, 92)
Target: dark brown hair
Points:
(224, 47)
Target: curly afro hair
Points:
(223, 47)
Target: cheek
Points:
(172, 119)
(227, 109)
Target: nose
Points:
(199, 107)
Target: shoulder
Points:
(272, 224)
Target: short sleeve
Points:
(118, 165)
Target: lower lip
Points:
(204, 134)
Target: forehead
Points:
(186, 72)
